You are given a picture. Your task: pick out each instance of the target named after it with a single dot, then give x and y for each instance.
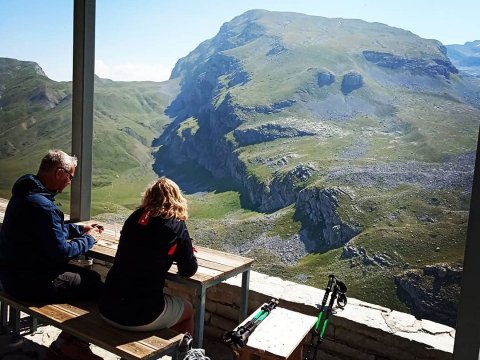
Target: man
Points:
(36, 246)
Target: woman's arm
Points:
(184, 256)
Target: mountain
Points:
(35, 115)
(278, 95)
(365, 134)
(466, 57)
(314, 145)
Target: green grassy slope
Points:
(397, 144)
(127, 118)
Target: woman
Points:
(152, 238)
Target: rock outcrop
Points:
(351, 81)
(320, 205)
(267, 132)
(432, 293)
(358, 256)
(325, 78)
(432, 67)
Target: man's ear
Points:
(58, 174)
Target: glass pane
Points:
(312, 142)
(35, 86)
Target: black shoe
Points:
(184, 346)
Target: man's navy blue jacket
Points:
(34, 234)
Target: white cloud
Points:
(132, 72)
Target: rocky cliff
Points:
(435, 66)
(321, 207)
(432, 293)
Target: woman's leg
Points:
(186, 323)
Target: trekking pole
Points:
(338, 292)
(239, 337)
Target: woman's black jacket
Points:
(134, 285)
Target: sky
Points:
(143, 39)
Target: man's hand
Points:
(92, 229)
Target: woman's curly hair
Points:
(164, 198)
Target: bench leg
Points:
(15, 321)
(33, 324)
(3, 317)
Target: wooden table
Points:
(213, 267)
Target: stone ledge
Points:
(420, 337)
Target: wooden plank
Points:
(54, 313)
(83, 321)
(155, 342)
(135, 350)
(92, 328)
(214, 265)
(206, 272)
(132, 345)
(102, 250)
(199, 277)
(68, 308)
(222, 257)
(107, 243)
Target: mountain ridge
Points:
(342, 128)
(335, 134)
(466, 57)
(35, 114)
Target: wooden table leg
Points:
(244, 295)
(199, 317)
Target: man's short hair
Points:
(55, 159)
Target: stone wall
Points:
(361, 331)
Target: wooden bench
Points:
(279, 336)
(82, 320)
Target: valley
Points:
(315, 154)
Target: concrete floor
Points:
(34, 346)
